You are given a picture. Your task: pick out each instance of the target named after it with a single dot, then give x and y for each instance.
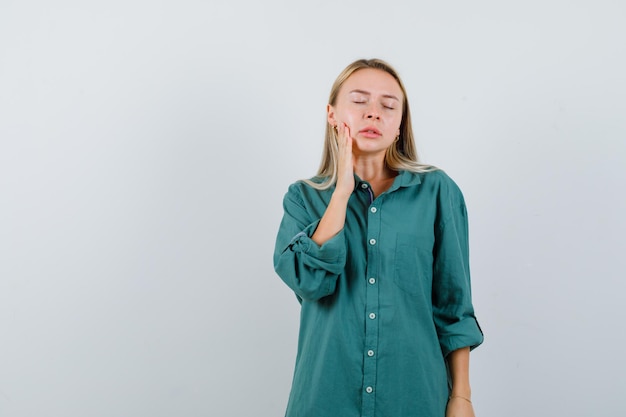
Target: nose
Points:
(371, 113)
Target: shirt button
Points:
(372, 316)
(369, 390)
(372, 241)
(372, 281)
(370, 353)
(363, 185)
(373, 209)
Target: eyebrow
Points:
(367, 93)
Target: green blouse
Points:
(383, 302)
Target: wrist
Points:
(460, 397)
(340, 196)
(461, 391)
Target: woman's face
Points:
(370, 103)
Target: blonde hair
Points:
(401, 155)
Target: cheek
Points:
(348, 118)
(394, 124)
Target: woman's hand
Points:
(345, 171)
(459, 407)
(334, 217)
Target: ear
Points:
(330, 115)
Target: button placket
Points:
(366, 187)
(371, 308)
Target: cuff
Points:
(332, 250)
(464, 333)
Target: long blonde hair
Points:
(401, 155)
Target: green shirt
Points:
(383, 302)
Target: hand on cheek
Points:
(345, 173)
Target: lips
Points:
(370, 131)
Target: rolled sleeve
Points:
(454, 317)
(309, 269)
(324, 256)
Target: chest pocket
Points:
(413, 263)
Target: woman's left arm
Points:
(460, 403)
(453, 312)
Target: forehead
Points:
(374, 81)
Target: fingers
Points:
(345, 176)
(344, 142)
(343, 135)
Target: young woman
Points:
(375, 247)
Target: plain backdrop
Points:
(145, 147)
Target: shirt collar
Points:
(403, 179)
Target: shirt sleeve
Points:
(454, 317)
(311, 271)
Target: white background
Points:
(145, 147)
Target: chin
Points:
(371, 147)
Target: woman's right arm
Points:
(309, 269)
(311, 254)
(335, 215)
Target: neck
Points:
(372, 168)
